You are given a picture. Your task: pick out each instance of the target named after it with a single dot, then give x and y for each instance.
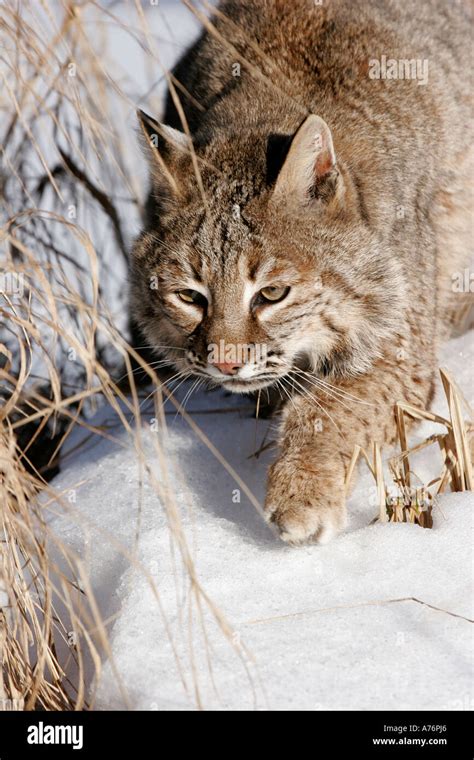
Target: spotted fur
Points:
(304, 171)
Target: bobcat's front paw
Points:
(305, 506)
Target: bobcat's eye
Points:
(274, 293)
(192, 296)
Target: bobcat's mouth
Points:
(241, 385)
(236, 384)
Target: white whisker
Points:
(339, 391)
(308, 395)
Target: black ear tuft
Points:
(310, 171)
(149, 125)
(277, 151)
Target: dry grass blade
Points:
(401, 501)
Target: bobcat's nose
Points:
(227, 368)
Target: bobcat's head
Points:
(257, 258)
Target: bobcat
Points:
(311, 194)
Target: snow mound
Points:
(379, 618)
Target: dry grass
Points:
(407, 498)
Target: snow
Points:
(317, 627)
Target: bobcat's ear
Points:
(310, 170)
(163, 147)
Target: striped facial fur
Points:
(244, 278)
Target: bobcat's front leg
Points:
(306, 485)
(305, 494)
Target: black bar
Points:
(375, 734)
